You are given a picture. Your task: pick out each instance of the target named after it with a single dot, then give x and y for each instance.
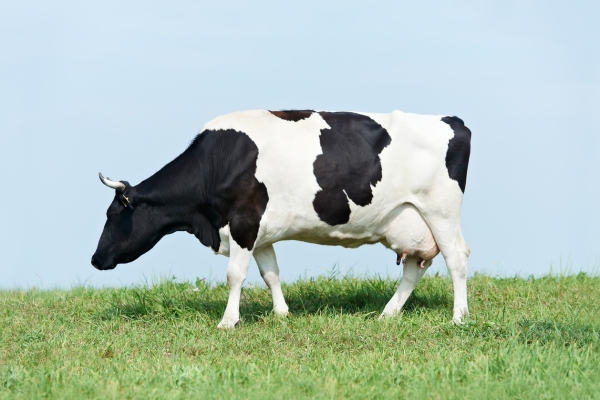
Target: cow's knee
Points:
(235, 278)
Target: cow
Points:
(250, 179)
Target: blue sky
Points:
(123, 87)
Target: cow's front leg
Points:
(239, 260)
(411, 276)
(267, 264)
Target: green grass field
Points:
(526, 338)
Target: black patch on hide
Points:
(459, 151)
(292, 115)
(232, 194)
(349, 165)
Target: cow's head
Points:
(133, 226)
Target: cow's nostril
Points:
(94, 262)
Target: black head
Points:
(131, 228)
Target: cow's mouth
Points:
(102, 266)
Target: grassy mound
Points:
(526, 338)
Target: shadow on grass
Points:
(535, 333)
(322, 295)
(566, 334)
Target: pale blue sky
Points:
(123, 87)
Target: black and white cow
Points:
(253, 178)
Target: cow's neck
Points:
(184, 193)
(176, 189)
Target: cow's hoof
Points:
(388, 315)
(459, 315)
(227, 324)
(281, 312)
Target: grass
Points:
(527, 338)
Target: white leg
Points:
(267, 264)
(411, 276)
(456, 261)
(239, 260)
(455, 250)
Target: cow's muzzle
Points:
(102, 266)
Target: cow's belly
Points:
(337, 237)
(401, 229)
(306, 227)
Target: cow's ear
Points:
(127, 196)
(206, 232)
(126, 201)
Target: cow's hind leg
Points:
(456, 260)
(239, 260)
(455, 250)
(267, 264)
(411, 276)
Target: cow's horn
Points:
(119, 186)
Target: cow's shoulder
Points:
(233, 194)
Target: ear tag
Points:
(126, 202)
